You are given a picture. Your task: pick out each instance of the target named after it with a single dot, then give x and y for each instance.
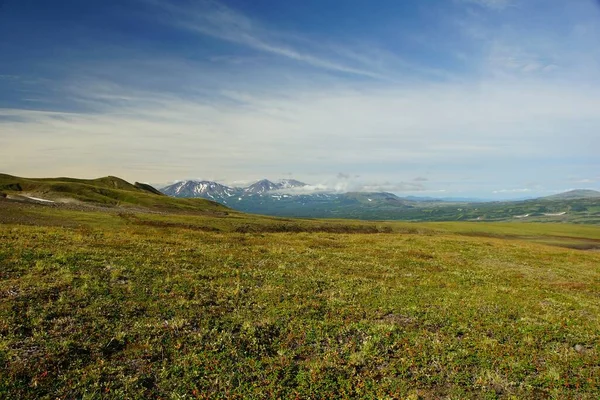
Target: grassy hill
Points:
(575, 194)
(124, 302)
(107, 191)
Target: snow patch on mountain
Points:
(218, 192)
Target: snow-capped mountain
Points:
(205, 189)
(261, 187)
(265, 185)
(281, 199)
(222, 194)
(269, 197)
(289, 184)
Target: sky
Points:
(493, 99)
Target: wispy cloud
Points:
(585, 180)
(509, 45)
(219, 21)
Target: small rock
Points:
(579, 348)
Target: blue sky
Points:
(487, 98)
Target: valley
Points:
(287, 199)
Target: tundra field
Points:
(110, 302)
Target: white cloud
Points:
(219, 21)
(156, 136)
(344, 185)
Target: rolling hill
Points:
(575, 194)
(107, 191)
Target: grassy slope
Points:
(577, 193)
(107, 191)
(96, 304)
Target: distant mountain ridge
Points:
(218, 192)
(282, 198)
(575, 194)
(265, 196)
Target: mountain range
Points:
(286, 198)
(283, 198)
(225, 194)
(221, 193)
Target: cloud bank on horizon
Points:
(489, 98)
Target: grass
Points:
(121, 303)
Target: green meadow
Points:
(114, 303)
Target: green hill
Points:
(106, 191)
